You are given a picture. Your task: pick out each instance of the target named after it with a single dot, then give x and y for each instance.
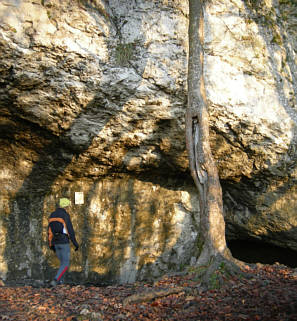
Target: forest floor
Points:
(270, 294)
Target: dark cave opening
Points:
(259, 252)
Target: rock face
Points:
(92, 100)
(251, 84)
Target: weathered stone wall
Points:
(92, 100)
(88, 105)
(250, 74)
(130, 228)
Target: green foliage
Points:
(48, 14)
(222, 267)
(277, 39)
(219, 276)
(214, 282)
(197, 272)
(124, 53)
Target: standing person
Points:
(60, 230)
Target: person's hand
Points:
(76, 248)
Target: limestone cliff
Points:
(92, 100)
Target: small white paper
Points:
(79, 198)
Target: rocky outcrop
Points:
(251, 84)
(93, 97)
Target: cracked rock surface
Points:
(92, 100)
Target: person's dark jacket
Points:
(60, 229)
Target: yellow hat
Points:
(64, 202)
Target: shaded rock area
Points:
(92, 100)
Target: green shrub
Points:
(124, 53)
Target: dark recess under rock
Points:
(259, 252)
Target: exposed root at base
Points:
(151, 295)
(212, 276)
(219, 270)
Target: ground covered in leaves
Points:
(270, 294)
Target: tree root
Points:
(219, 270)
(151, 295)
(211, 276)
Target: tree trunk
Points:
(214, 249)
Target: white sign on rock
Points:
(79, 198)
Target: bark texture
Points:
(214, 250)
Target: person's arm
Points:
(50, 238)
(71, 230)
